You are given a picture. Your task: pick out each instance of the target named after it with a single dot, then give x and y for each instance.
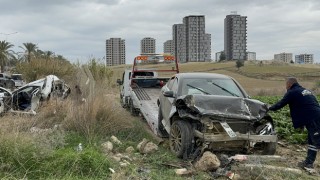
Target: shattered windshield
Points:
(210, 86)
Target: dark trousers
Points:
(313, 143)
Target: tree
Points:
(49, 54)
(239, 64)
(29, 49)
(222, 56)
(5, 53)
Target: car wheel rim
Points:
(175, 141)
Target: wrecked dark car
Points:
(201, 111)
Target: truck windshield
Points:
(209, 86)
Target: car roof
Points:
(202, 75)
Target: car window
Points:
(169, 83)
(174, 87)
(211, 86)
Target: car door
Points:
(167, 103)
(23, 97)
(5, 100)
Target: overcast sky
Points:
(77, 29)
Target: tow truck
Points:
(141, 86)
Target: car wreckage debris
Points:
(26, 99)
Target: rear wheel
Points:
(161, 130)
(121, 101)
(133, 110)
(180, 139)
(269, 148)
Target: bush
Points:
(39, 68)
(98, 117)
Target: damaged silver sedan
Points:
(27, 98)
(201, 111)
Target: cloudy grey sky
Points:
(77, 29)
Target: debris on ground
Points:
(124, 163)
(178, 164)
(143, 170)
(270, 167)
(207, 162)
(113, 171)
(183, 172)
(26, 99)
(256, 158)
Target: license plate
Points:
(228, 129)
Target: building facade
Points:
(284, 57)
(115, 51)
(251, 56)
(304, 59)
(148, 45)
(191, 42)
(179, 42)
(168, 47)
(235, 37)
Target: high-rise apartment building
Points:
(148, 46)
(115, 51)
(179, 42)
(284, 57)
(191, 43)
(168, 47)
(304, 59)
(235, 37)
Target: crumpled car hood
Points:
(219, 107)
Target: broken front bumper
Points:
(209, 137)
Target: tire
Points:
(133, 111)
(162, 132)
(121, 102)
(180, 139)
(269, 148)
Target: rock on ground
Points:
(130, 150)
(107, 147)
(115, 140)
(207, 162)
(146, 147)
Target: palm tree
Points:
(5, 53)
(30, 49)
(49, 54)
(39, 53)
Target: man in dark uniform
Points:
(305, 112)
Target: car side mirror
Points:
(119, 81)
(168, 94)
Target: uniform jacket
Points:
(304, 107)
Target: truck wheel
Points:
(180, 139)
(161, 130)
(133, 111)
(121, 101)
